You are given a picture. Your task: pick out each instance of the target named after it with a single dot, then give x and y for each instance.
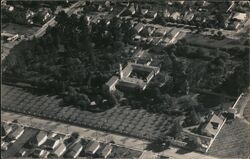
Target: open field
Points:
(19, 29)
(233, 141)
(123, 120)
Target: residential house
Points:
(4, 145)
(105, 152)
(22, 152)
(138, 27)
(92, 147)
(147, 31)
(14, 135)
(40, 153)
(166, 14)
(188, 16)
(58, 152)
(51, 143)
(239, 16)
(5, 129)
(213, 125)
(75, 150)
(156, 41)
(131, 10)
(39, 139)
(151, 14)
(43, 15)
(161, 31)
(175, 16)
(111, 83)
(144, 11)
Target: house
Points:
(166, 13)
(151, 14)
(131, 10)
(138, 27)
(92, 147)
(156, 40)
(4, 145)
(144, 11)
(39, 139)
(105, 151)
(40, 153)
(147, 31)
(213, 125)
(5, 129)
(51, 143)
(14, 135)
(22, 152)
(111, 83)
(239, 16)
(235, 25)
(43, 15)
(188, 16)
(58, 152)
(176, 16)
(75, 150)
(161, 31)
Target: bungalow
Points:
(176, 16)
(4, 145)
(92, 147)
(59, 150)
(51, 143)
(138, 27)
(144, 11)
(213, 125)
(151, 14)
(147, 31)
(166, 13)
(188, 16)
(111, 83)
(5, 129)
(22, 152)
(39, 139)
(40, 153)
(75, 150)
(14, 135)
(161, 31)
(105, 151)
(131, 9)
(239, 16)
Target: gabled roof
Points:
(6, 129)
(106, 151)
(92, 147)
(212, 127)
(240, 16)
(139, 27)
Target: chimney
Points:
(121, 72)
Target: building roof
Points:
(106, 151)
(16, 133)
(92, 147)
(132, 9)
(5, 129)
(138, 27)
(239, 16)
(52, 143)
(175, 15)
(59, 150)
(40, 137)
(147, 31)
(212, 127)
(161, 31)
(188, 16)
(151, 14)
(113, 80)
(75, 150)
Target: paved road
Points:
(16, 146)
(128, 142)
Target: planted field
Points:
(123, 120)
(233, 141)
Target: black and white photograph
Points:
(125, 79)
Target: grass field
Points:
(233, 141)
(122, 120)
